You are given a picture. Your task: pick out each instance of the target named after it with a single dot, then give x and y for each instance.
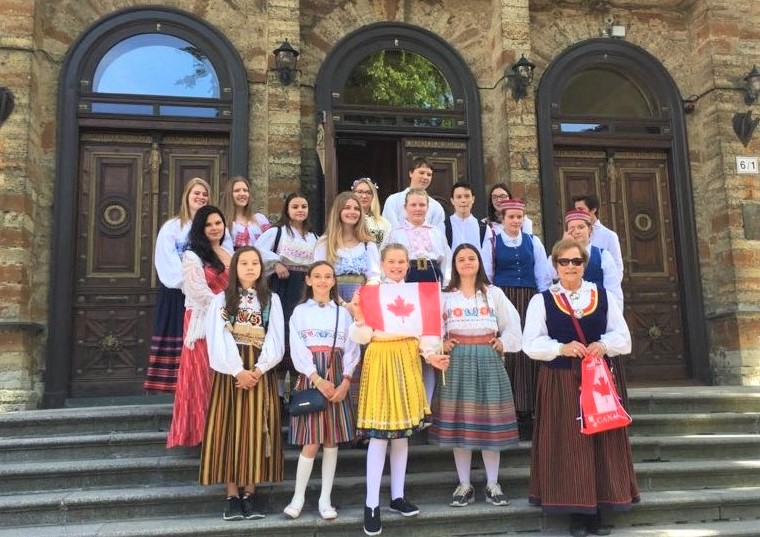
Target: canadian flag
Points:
(410, 309)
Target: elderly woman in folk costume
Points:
(605, 273)
(517, 264)
(571, 472)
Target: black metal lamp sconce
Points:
(285, 59)
(7, 102)
(744, 124)
(520, 78)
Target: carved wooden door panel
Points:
(634, 194)
(126, 184)
(449, 161)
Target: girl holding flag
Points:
(392, 399)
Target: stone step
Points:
(695, 424)
(694, 399)
(141, 444)
(686, 514)
(97, 476)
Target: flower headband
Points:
(363, 179)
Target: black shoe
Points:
(463, 495)
(578, 525)
(233, 509)
(372, 524)
(404, 507)
(249, 508)
(595, 526)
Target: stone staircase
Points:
(104, 471)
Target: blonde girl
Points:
(366, 192)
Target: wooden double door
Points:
(129, 185)
(635, 201)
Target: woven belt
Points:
(485, 339)
(423, 263)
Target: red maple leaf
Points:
(602, 387)
(399, 308)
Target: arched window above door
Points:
(399, 78)
(604, 92)
(156, 64)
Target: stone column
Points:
(725, 44)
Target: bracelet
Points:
(561, 346)
(318, 382)
(347, 377)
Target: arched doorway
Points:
(611, 123)
(387, 94)
(149, 98)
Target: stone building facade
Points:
(665, 167)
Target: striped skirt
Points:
(474, 410)
(243, 440)
(522, 371)
(191, 395)
(337, 422)
(392, 401)
(572, 472)
(166, 341)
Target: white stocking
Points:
(463, 462)
(329, 461)
(375, 464)
(399, 455)
(491, 462)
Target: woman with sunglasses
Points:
(377, 225)
(571, 472)
(604, 272)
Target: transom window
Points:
(156, 64)
(603, 92)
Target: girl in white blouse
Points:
(325, 357)
(366, 192)
(290, 247)
(245, 226)
(242, 444)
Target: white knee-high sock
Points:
(491, 462)
(303, 473)
(329, 462)
(375, 464)
(463, 462)
(428, 378)
(399, 455)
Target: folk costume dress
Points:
(519, 267)
(285, 245)
(475, 410)
(166, 340)
(572, 472)
(429, 254)
(248, 234)
(312, 329)
(392, 398)
(243, 441)
(354, 266)
(378, 230)
(199, 283)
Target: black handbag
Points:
(311, 400)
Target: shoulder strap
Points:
(277, 239)
(335, 339)
(448, 230)
(576, 324)
(482, 226)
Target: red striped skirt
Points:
(572, 472)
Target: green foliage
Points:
(398, 78)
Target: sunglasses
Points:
(564, 261)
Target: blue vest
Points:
(561, 327)
(514, 265)
(593, 272)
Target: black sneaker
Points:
(233, 509)
(372, 525)
(463, 495)
(495, 496)
(404, 507)
(249, 508)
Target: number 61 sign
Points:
(747, 165)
